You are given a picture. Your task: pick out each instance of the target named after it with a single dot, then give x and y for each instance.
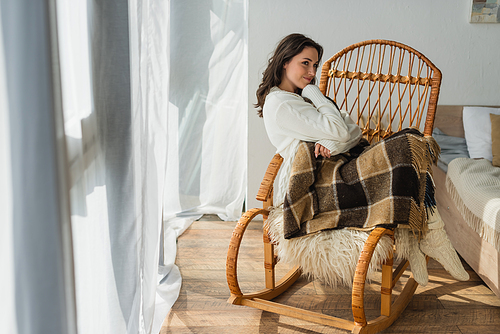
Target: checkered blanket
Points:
(389, 183)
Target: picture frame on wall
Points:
(485, 11)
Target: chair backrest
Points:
(385, 86)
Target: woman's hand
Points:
(321, 150)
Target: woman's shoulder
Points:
(277, 96)
(283, 94)
(279, 100)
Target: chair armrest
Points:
(266, 186)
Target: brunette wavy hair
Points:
(288, 47)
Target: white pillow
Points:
(477, 127)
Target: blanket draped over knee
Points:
(389, 183)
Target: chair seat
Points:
(329, 256)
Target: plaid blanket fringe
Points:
(385, 184)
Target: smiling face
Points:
(300, 70)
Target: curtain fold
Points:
(36, 231)
(8, 322)
(115, 117)
(149, 49)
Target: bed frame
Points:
(478, 253)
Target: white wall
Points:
(467, 54)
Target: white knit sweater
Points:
(289, 119)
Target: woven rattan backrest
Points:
(385, 86)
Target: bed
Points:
(482, 255)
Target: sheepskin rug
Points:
(329, 256)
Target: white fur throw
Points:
(330, 256)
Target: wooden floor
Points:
(443, 306)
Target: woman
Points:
(288, 82)
(295, 110)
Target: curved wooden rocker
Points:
(379, 103)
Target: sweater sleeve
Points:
(337, 147)
(303, 121)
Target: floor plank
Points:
(443, 306)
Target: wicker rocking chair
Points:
(385, 86)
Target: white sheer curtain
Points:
(8, 323)
(36, 285)
(84, 184)
(207, 121)
(208, 108)
(115, 78)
